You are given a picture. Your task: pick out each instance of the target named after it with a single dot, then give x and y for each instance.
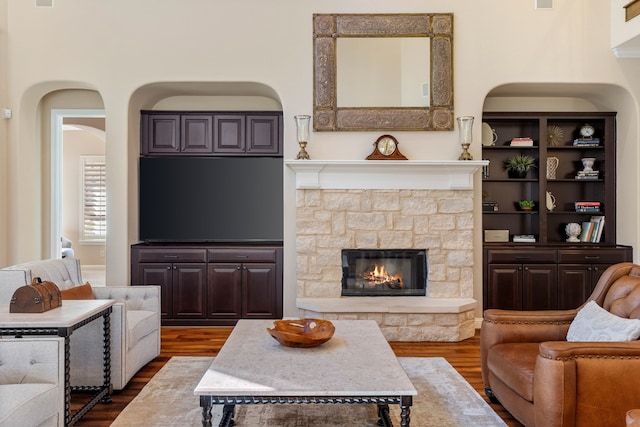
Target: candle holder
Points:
(465, 127)
(302, 125)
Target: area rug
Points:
(444, 399)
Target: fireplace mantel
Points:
(385, 174)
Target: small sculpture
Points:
(573, 230)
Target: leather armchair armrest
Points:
(564, 350)
(586, 383)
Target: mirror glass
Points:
(383, 72)
(400, 80)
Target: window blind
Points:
(93, 218)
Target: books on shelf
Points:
(588, 175)
(592, 230)
(587, 206)
(489, 206)
(524, 238)
(586, 142)
(522, 142)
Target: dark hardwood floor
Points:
(464, 356)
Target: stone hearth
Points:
(388, 204)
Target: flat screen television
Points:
(211, 199)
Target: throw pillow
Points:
(594, 323)
(78, 292)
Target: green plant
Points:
(526, 203)
(520, 164)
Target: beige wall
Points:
(134, 54)
(84, 141)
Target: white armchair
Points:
(135, 321)
(31, 382)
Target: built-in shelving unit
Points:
(547, 272)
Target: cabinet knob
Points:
(168, 268)
(519, 268)
(238, 268)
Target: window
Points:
(93, 199)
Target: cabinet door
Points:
(157, 274)
(504, 288)
(539, 286)
(161, 134)
(574, 285)
(259, 290)
(197, 134)
(189, 290)
(225, 291)
(263, 135)
(229, 134)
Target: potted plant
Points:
(526, 205)
(518, 165)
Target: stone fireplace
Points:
(388, 205)
(384, 272)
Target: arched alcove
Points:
(587, 97)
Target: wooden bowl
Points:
(302, 333)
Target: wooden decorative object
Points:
(386, 148)
(302, 333)
(37, 297)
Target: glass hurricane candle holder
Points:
(465, 134)
(302, 125)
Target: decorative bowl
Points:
(302, 333)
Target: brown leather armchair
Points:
(545, 381)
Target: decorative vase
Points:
(302, 125)
(465, 134)
(573, 230)
(552, 167)
(587, 164)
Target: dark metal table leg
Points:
(228, 413)
(67, 381)
(383, 415)
(405, 411)
(106, 351)
(205, 403)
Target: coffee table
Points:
(62, 321)
(357, 366)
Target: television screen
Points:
(211, 199)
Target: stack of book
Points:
(587, 206)
(589, 142)
(489, 206)
(522, 142)
(592, 230)
(588, 175)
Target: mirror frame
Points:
(327, 116)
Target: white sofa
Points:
(31, 382)
(135, 321)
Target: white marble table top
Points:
(70, 313)
(356, 361)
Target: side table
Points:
(62, 321)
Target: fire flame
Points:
(380, 276)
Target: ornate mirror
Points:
(383, 72)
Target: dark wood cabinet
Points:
(229, 134)
(160, 133)
(548, 272)
(196, 133)
(211, 284)
(544, 278)
(210, 133)
(263, 133)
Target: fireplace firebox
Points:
(384, 272)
